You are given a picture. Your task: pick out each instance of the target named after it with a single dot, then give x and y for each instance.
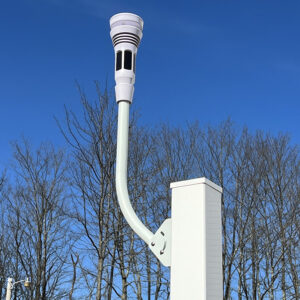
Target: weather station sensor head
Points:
(126, 33)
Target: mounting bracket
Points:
(160, 243)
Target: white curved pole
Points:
(121, 174)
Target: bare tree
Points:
(75, 260)
(282, 168)
(5, 255)
(41, 241)
(61, 224)
(259, 175)
(93, 146)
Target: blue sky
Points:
(198, 60)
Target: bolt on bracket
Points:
(160, 243)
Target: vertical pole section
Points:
(9, 288)
(196, 253)
(121, 175)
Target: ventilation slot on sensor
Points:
(126, 37)
(119, 61)
(127, 60)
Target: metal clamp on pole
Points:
(126, 34)
(161, 243)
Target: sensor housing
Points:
(126, 34)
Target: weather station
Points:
(190, 242)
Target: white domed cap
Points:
(126, 19)
(123, 23)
